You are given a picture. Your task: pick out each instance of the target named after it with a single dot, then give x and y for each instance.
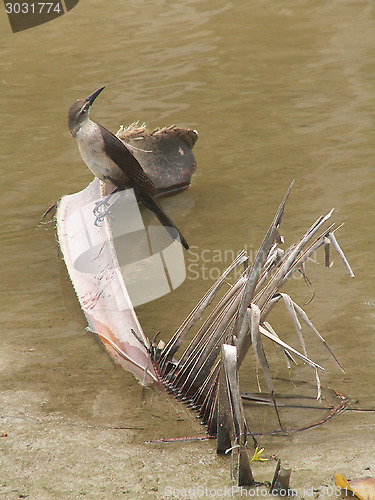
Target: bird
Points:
(110, 160)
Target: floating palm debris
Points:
(206, 374)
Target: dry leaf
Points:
(364, 489)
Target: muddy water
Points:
(278, 91)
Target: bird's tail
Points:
(148, 200)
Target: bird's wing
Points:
(125, 160)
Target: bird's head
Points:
(79, 111)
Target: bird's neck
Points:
(87, 129)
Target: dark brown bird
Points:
(111, 161)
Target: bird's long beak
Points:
(91, 98)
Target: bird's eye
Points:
(84, 108)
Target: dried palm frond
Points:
(205, 375)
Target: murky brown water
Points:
(278, 91)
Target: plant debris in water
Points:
(206, 374)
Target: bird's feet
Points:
(99, 219)
(102, 209)
(102, 206)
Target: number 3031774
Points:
(33, 8)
